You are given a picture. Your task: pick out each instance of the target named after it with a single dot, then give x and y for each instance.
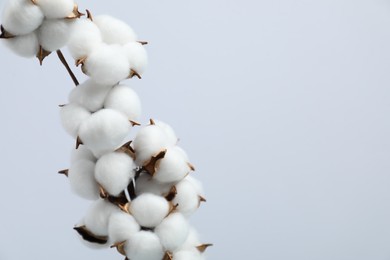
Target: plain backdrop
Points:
(283, 107)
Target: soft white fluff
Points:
(107, 64)
(187, 255)
(90, 95)
(82, 180)
(170, 133)
(149, 141)
(144, 245)
(114, 172)
(24, 45)
(114, 31)
(121, 226)
(72, 116)
(85, 36)
(21, 17)
(173, 167)
(104, 131)
(56, 9)
(82, 153)
(137, 56)
(187, 198)
(173, 231)
(192, 240)
(97, 216)
(149, 209)
(146, 184)
(198, 186)
(54, 34)
(124, 99)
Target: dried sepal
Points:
(89, 236)
(89, 15)
(134, 73)
(4, 34)
(34, 2)
(119, 200)
(125, 208)
(42, 54)
(134, 123)
(171, 194)
(143, 42)
(202, 248)
(192, 167)
(168, 256)
(172, 207)
(80, 61)
(78, 142)
(120, 246)
(61, 105)
(151, 121)
(64, 172)
(127, 149)
(75, 13)
(150, 166)
(103, 193)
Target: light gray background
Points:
(282, 105)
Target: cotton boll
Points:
(144, 245)
(187, 198)
(149, 209)
(85, 36)
(121, 226)
(146, 184)
(137, 56)
(24, 45)
(149, 141)
(90, 95)
(56, 9)
(114, 171)
(54, 34)
(124, 99)
(21, 17)
(104, 131)
(82, 154)
(72, 116)
(90, 244)
(107, 64)
(173, 167)
(170, 133)
(187, 255)
(173, 231)
(97, 216)
(82, 180)
(114, 31)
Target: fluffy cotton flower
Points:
(21, 17)
(114, 172)
(114, 31)
(187, 255)
(104, 131)
(81, 154)
(137, 56)
(72, 116)
(149, 209)
(187, 198)
(107, 64)
(121, 226)
(90, 94)
(82, 180)
(144, 245)
(170, 133)
(124, 99)
(97, 216)
(24, 45)
(146, 184)
(54, 34)
(149, 141)
(56, 9)
(85, 36)
(173, 231)
(173, 167)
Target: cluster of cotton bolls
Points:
(142, 190)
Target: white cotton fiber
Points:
(90, 95)
(97, 216)
(121, 226)
(149, 141)
(21, 17)
(24, 45)
(173, 231)
(187, 198)
(144, 245)
(146, 184)
(114, 171)
(82, 154)
(104, 131)
(72, 116)
(137, 56)
(173, 167)
(113, 30)
(82, 180)
(170, 133)
(198, 186)
(149, 209)
(192, 240)
(54, 34)
(85, 36)
(56, 9)
(107, 64)
(187, 255)
(124, 99)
